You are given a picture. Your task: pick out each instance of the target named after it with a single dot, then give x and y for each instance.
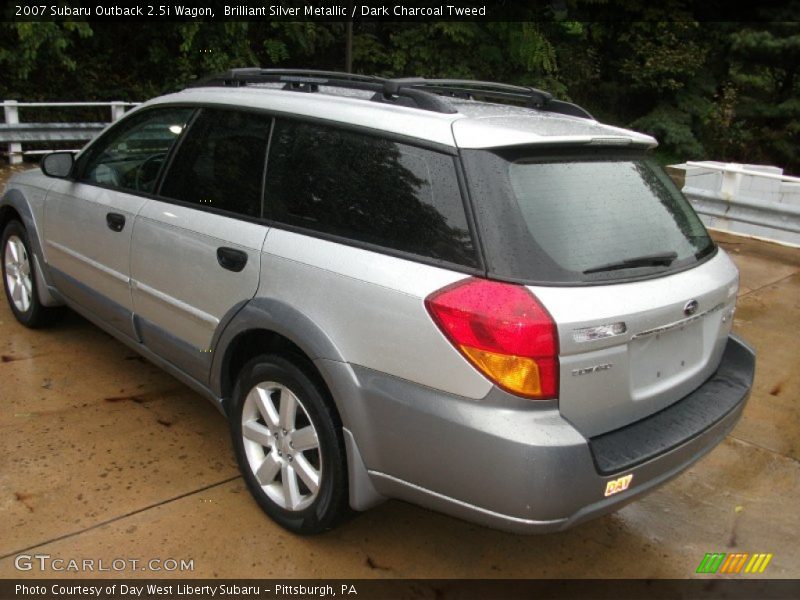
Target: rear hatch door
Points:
(641, 296)
(663, 338)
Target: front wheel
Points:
(19, 277)
(288, 442)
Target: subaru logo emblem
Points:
(690, 308)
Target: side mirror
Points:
(58, 164)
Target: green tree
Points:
(705, 89)
(764, 83)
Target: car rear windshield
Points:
(581, 218)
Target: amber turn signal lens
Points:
(517, 374)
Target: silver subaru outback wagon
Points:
(467, 295)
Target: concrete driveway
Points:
(103, 456)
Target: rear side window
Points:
(587, 218)
(220, 164)
(367, 189)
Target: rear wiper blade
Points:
(649, 260)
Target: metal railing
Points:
(734, 169)
(14, 133)
(731, 203)
(774, 215)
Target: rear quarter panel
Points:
(371, 306)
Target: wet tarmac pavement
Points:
(104, 456)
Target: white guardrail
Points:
(14, 133)
(750, 200)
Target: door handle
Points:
(115, 221)
(231, 259)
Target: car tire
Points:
(288, 441)
(19, 278)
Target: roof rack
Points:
(416, 92)
(248, 75)
(304, 80)
(529, 96)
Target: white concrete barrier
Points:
(753, 200)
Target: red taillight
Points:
(504, 331)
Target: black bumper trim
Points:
(682, 421)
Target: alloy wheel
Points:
(18, 273)
(281, 446)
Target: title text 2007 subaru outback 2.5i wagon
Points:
(398, 288)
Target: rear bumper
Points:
(725, 391)
(515, 466)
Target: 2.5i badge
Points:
(618, 485)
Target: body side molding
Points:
(269, 315)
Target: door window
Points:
(220, 164)
(130, 155)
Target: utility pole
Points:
(348, 52)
